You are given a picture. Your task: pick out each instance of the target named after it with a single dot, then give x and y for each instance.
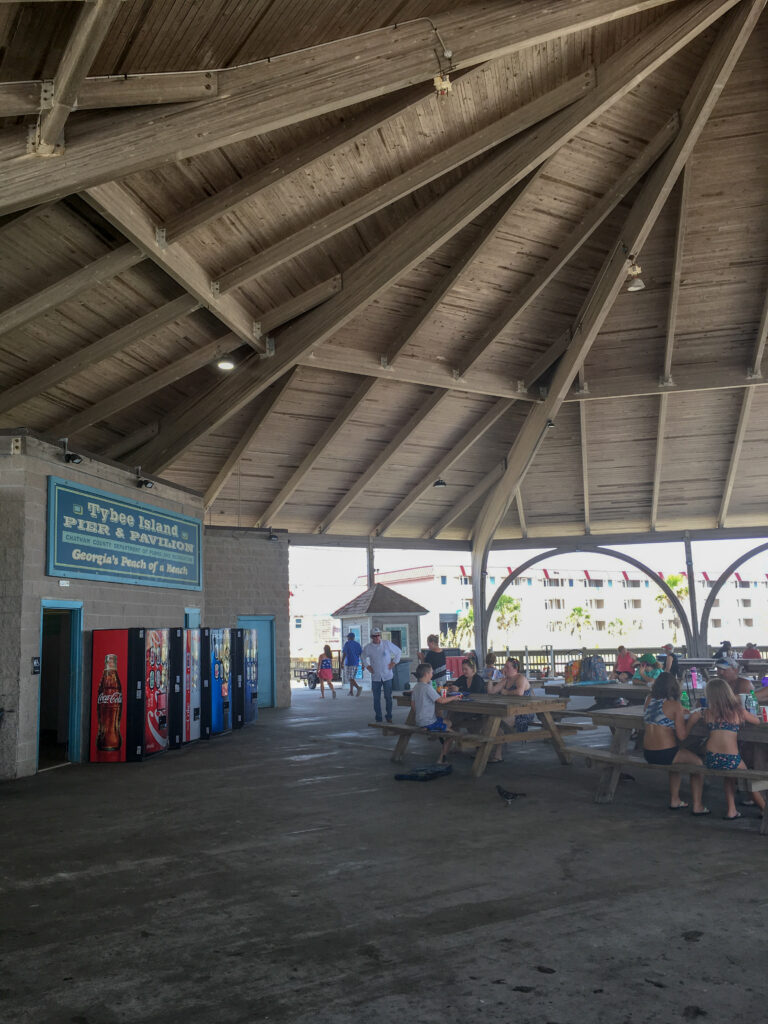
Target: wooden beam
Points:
(181, 224)
(738, 441)
(95, 352)
(134, 393)
(521, 512)
(434, 166)
(427, 406)
(18, 98)
(658, 464)
(436, 471)
(272, 93)
(551, 267)
(131, 441)
(413, 324)
(68, 287)
(677, 268)
(294, 307)
(117, 205)
(707, 87)
(87, 36)
(584, 465)
(265, 408)
(756, 369)
(497, 173)
(472, 496)
(316, 452)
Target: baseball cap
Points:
(726, 662)
(350, 636)
(375, 632)
(668, 646)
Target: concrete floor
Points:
(281, 874)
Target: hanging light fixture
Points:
(636, 283)
(440, 483)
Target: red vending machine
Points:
(130, 683)
(184, 696)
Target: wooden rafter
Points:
(270, 94)
(291, 308)
(434, 166)
(458, 508)
(706, 89)
(265, 408)
(658, 464)
(117, 205)
(318, 450)
(181, 224)
(756, 369)
(733, 467)
(150, 385)
(96, 352)
(426, 407)
(129, 443)
(435, 472)
(68, 287)
(683, 188)
(551, 267)
(87, 36)
(521, 512)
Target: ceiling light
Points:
(440, 483)
(225, 364)
(636, 283)
(142, 481)
(273, 535)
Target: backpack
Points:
(593, 669)
(572, 671)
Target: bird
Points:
(506, 795)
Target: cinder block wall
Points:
(245, 573)
(23, 585)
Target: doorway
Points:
(265, 631)
(60, 716)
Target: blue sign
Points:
(99, 536)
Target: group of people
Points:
(644, 668)
(378, 657)
(431, 691)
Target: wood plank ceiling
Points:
(395, 273)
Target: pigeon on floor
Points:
(507, 795)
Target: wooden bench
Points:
(469, 740)
(614, 763)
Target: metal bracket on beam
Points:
(666, 382)
(256, 330)
(215, 289)
(160, 238)
(753, 373)
(34, 147)
(521, 387)
(456, 374)
(46, 95)
(582, 389)
(269, 347)
(384, 362)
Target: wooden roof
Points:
(412, 286)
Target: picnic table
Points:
(493, 709)
(603, 691)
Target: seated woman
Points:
(724, 716)
(624, 668)
(469, 681)
(646, 671)
(665, 725)
(513, 682)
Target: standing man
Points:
(350, 660)
(380, 657)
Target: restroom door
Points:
(60, 717)
(265, 631)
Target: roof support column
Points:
(697, 651)
(482, 618)
(371, 567)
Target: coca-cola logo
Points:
(110, 698)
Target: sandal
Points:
(732, 817)
(495, 760)
(678, 807)
(699, 814)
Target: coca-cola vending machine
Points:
(130, 684)
(216, 659)
(184, 711)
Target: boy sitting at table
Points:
(424, 700)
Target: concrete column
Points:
(697, 652)
(479, 576)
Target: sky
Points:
(323, 579)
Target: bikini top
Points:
(725, 726)
(654, 713)
(325, 663)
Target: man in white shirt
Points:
(380, 657)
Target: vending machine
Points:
(216, 659)
(130, 684)
(250, 674)
(184, 705)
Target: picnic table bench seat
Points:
(613, 762)
(534, 733)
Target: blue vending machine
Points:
(216, 662)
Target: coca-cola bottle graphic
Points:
(109, 707)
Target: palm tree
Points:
(578, 620)
(616, 628)
(507, 613)
(679, 586)
(465, 627)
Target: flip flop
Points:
(495, 760)
(678, 807)
(732, 817)
(699, 814)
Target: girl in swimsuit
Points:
(665, 725)
(724, 716)
(325, 671)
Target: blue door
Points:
(265, 631)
